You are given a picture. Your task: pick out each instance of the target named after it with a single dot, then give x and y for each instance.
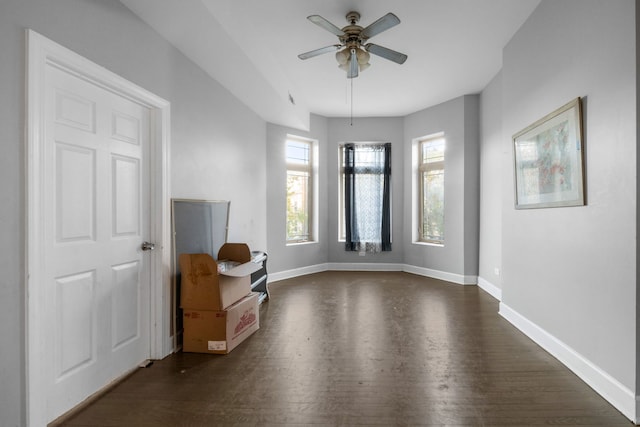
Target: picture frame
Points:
(549, 160)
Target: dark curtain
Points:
(349, 199)
(386, 199)
(367, 170)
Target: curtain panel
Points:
(367, 193)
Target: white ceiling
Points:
(251, 47)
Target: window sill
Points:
(437, 245)
(309, 242)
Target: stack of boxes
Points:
(219, 309)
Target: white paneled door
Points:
(96, 202)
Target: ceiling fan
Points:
(353, 51)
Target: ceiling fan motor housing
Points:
(353, 17)
(351, 37)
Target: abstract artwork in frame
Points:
(549, 161)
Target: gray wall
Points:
(458, 119)
(491, 181)
(637, 392)
(572, 271)
(283, 257)
(380, 129)
(471, 186)
(218, 144)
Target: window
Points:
(431, 189)
(299, 153)
(365, 197)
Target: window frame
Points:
(310, 168)
(422, 169)
(341, 184)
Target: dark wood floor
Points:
(354, 349)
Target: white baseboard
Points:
(302, 271)
(604, 384)
(441, 275)
(364, 266)
(490, 288)
(336, 266)
(355, 266)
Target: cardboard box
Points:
(235, 252)
(204, 287)
(219, 332)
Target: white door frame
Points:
(42, 52)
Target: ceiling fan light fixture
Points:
(363, 56)
(342, 56)
(364, 66)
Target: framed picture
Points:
(549, 161)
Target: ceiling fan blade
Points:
(320, 51)
(389, 54)
(353, 65)
(321, 22)
(387, 21)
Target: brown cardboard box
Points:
(219, 332)
(235, 251)
(203, 287)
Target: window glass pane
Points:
(297, 206)
(433, 208)
(368, 199)
(298, 152)
(433, 151)
(431, 189)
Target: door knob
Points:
(147, 246)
